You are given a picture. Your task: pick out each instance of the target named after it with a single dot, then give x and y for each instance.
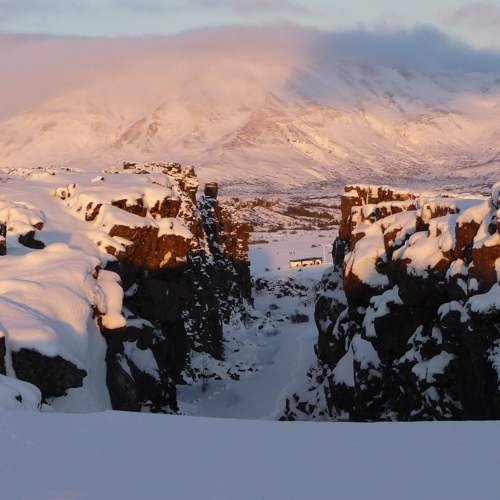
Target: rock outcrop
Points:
(183, 265)
(165, 273)
(409, 316)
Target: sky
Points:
(475, 22)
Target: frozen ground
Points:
(112, 455)
(280, 353)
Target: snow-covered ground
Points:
(112, 455)
(280, 352)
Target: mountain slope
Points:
(259, 112)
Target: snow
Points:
(485, 303)
(379, 308)
(362, 261)
(296, 117)
(428, 369)
(343, 373)
(20, 217)
(453, 306)
(495, 195)
(182, 458)
(281, 352)
(113, 297)
(171, 226)
(476, 213)
(365, 354)
(93, 202)
(284, 246)
(424, 251)
(457, 268)
(142, 359)
(18, 395)
(46, 299)
(483, 237)
(112, 454)
(494, 358)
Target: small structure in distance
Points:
(307, 262)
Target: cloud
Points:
(240, 7)
(14, 8)
(422, 49)
(254, 6)
(477, 15)
(63, 64)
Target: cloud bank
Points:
(477, 15)
(35, 69)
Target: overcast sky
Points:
(475, 22)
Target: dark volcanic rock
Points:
(3, 235)
(52, 375)
(3, 351)
(29, 241)
(184, 267)
(408, 317)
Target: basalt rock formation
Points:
(409, 316)
(172, 269)
(183, 266)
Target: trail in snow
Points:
(283, 357)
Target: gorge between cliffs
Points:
(131, 289)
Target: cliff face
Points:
(172, 270)
(409, 316)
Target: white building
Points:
(308, 262)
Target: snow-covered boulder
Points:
(47, 299)
(20, 221)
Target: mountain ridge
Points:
(278, 115)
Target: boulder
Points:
(52, 375)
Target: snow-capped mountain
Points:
(267, 112)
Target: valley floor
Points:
(280, 353)
(113, 455)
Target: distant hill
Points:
(259, 108)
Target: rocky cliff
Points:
(409, 316)
(169, 271)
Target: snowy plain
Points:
(120, 456)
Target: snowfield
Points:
(114, 455)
